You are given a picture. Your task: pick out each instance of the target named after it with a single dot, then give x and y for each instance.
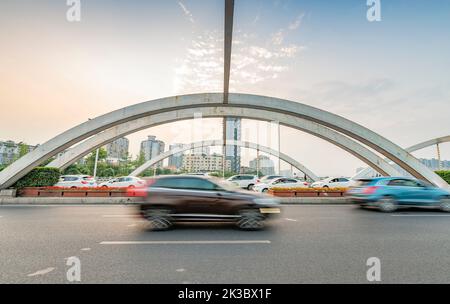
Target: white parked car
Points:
(280, 182)
(333, 182)
(261, 183)
(206, 174)
(244, 181)
(76, 181)
(124, 182)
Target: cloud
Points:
(278, 37)
(202, 67)
(296, 24)
(186, 12)
(254, 60)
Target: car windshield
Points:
(266, 179)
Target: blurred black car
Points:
(172, 199)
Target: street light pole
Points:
(439, 156)
(279, 148)
(95, 163)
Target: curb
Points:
(131, 201)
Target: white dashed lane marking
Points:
(290, 220)
(420, 215)
(120, 215)
(41, 272)
(184, 242)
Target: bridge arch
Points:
(237, 102)
(219, 142)
(336, 138)
(429, 143)
(414, 148)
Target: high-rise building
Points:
(11, 151)
(176, 160)
(433, 164)
(151, 148)
(233, 153)
(117, 150)
(266, 165)
(202, 150)
(204, 163)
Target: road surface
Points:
(307, 244)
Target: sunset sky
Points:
(391, 76)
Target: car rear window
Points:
(365, 182)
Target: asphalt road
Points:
(307, 244)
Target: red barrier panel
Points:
(82, 192)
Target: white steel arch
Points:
(429, 143)
(435, 141)
(313, 128)
(219, 142)
(215, 100)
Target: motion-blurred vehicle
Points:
(172, 199)
(245, 181)
(124, 182)
(76, 181)
(332, 182)
(280, 182)
(391, 193)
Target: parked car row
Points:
(86, 181)
(252, 182)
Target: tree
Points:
(108, 172)
(23, 149)
(76, 169)
(140, 159)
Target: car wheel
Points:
(250, 219)
(264, 190)
(445, 204)
(104, 186)
(131, 186)
(387, 204)
(250, 187)
(325, 186)
(159, 219)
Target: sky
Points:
(391, 76)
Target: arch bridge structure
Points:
(428, 143)
(219, 142)
(335, 129)
(348, 135)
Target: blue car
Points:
(391, 193)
